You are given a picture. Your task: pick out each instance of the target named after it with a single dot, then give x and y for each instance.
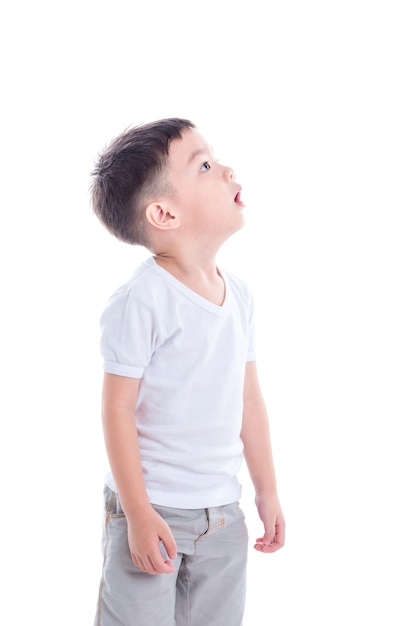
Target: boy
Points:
(181, 399)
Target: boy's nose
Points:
(229, 173)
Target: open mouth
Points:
(238, 200)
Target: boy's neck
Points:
(201, 275)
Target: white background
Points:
(314, 104)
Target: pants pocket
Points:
(112, 503)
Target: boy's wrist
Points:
(137, 508)
(266, 493)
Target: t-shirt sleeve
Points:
(128, 335)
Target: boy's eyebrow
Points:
(197, 153)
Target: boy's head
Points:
(130, 173)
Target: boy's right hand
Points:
(144, 535)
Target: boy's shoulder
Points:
(142, 276)
(153, 287)
(236, 284)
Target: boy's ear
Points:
(161, 216)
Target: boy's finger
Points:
(269, 535)
(157, 564)
(170, 546)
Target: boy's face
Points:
(206, 196)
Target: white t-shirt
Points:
(191, 356)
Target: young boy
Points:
(181, 398)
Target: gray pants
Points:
(208, 587)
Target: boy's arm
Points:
(258, 455)
(145, 527)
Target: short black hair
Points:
(127, 174)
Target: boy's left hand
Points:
(271, 515)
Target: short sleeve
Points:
(128, 335)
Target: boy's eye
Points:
(205, 167)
